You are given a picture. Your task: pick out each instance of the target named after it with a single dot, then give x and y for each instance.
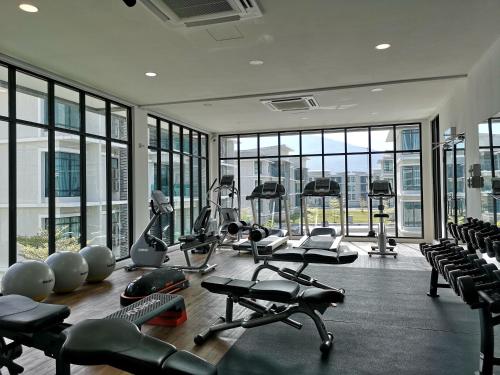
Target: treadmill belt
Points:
(317, 242)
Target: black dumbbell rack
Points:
(471, 277)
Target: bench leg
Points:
(62, 367)
(486, 356)
(433, 284)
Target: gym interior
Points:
(249, 187)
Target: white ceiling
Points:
(304, 45)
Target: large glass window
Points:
(71, 179)
(4, 194)
(353, 157)
(32, 205)
(489, 151)
(185, 183)
(4, 91)
(66, 108)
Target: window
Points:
(411, 178)
(412, 215)
(388, 166)
(67, 174)
(182, 174)
(351, 156)
(410, 139)
(489, 156)
(69, 227)
(62, 196)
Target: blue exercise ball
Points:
(31, 278)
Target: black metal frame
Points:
(436, 178)
(182, 154)
(453, 150)
(491, 148)
(51, 129)
(322, 131)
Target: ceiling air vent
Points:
(303, 103)
(192, 13)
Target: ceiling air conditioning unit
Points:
(194, 13)
(300, 103)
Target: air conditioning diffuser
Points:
(300, 103)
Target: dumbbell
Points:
(480, 274)
(488, 244)
(258, 233)
(470, 262)
(431, 252)
(435, 256)
(479, 238)
(469, 287)
(236, 226)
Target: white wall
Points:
(140, 198)
(474, 100)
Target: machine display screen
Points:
(322, 185)
(269, 188)
(227, 180)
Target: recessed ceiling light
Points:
(377, 89)
(28, 8)
(256, 62)
(151, 74)
(304, 118)
(374, 113)
(382, 46)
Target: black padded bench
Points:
(312, 302)
(315, 256)
(114, 342)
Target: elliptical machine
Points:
(227, 208)
(382, 190)
(149, 250)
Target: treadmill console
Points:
(227, 180)
(161, 202)
(322, 185)
(495, 186)
(381, 187)
(269, 189)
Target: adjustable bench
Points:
(298, 255)
(312, 302)
(306, 257)
(114, 342)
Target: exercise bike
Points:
(382, 190)
(149, 250)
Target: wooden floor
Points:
(99, 300)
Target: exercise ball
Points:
(31, 278)
(70, 270)
(101, 262)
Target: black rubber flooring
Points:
(387, 325)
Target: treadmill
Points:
(323, 238)
(277, 237)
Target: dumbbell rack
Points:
(471, 277)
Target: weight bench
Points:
(306, 257)
(312, 302)
(111, 341)
(298, 255)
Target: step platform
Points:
(157, 309)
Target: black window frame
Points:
(155, 145)
(397, 149)
(51, 128)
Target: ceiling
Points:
(311, 46)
